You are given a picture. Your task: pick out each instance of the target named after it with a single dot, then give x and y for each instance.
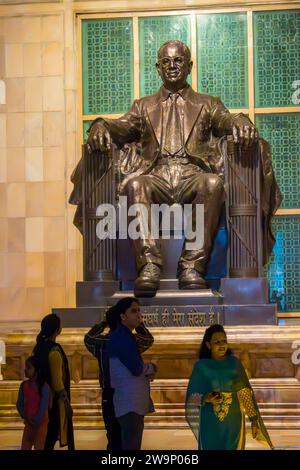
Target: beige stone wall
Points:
(39, 248)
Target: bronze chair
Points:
(108, 260)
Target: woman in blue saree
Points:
(219, 395)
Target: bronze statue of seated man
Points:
(172, 128)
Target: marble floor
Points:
(156, 439)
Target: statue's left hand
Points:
(99, 138)
(245, 134)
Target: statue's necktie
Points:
(173, 141)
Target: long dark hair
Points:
(49, 325)
(113, 315)
(205, 352)
(32, 360)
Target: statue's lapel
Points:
(191, 109)
(154, 113)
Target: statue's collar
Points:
(165, 93)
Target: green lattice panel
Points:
(153, 32)
(276, 57)
(107, 65)
(282, 131)
(222, 57)
(284, 266)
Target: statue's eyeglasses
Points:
(167, 61)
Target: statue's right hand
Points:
(99, 138)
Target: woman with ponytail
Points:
(97, 342)
(54, 367)
(130, 376)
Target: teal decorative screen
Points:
(153, 32)
(276, 57)
(107, 65)
(222, 57)
(284, 267)
(282, 131)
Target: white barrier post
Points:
(2, 356)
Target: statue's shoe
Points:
(190, 279)
(147, 283)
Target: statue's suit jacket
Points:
(206, 120)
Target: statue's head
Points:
(174, 64)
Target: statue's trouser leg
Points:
(184, 184)
(207, 189)
(147, 190)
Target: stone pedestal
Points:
(245, 290)
(242, 301)
(167, 308)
